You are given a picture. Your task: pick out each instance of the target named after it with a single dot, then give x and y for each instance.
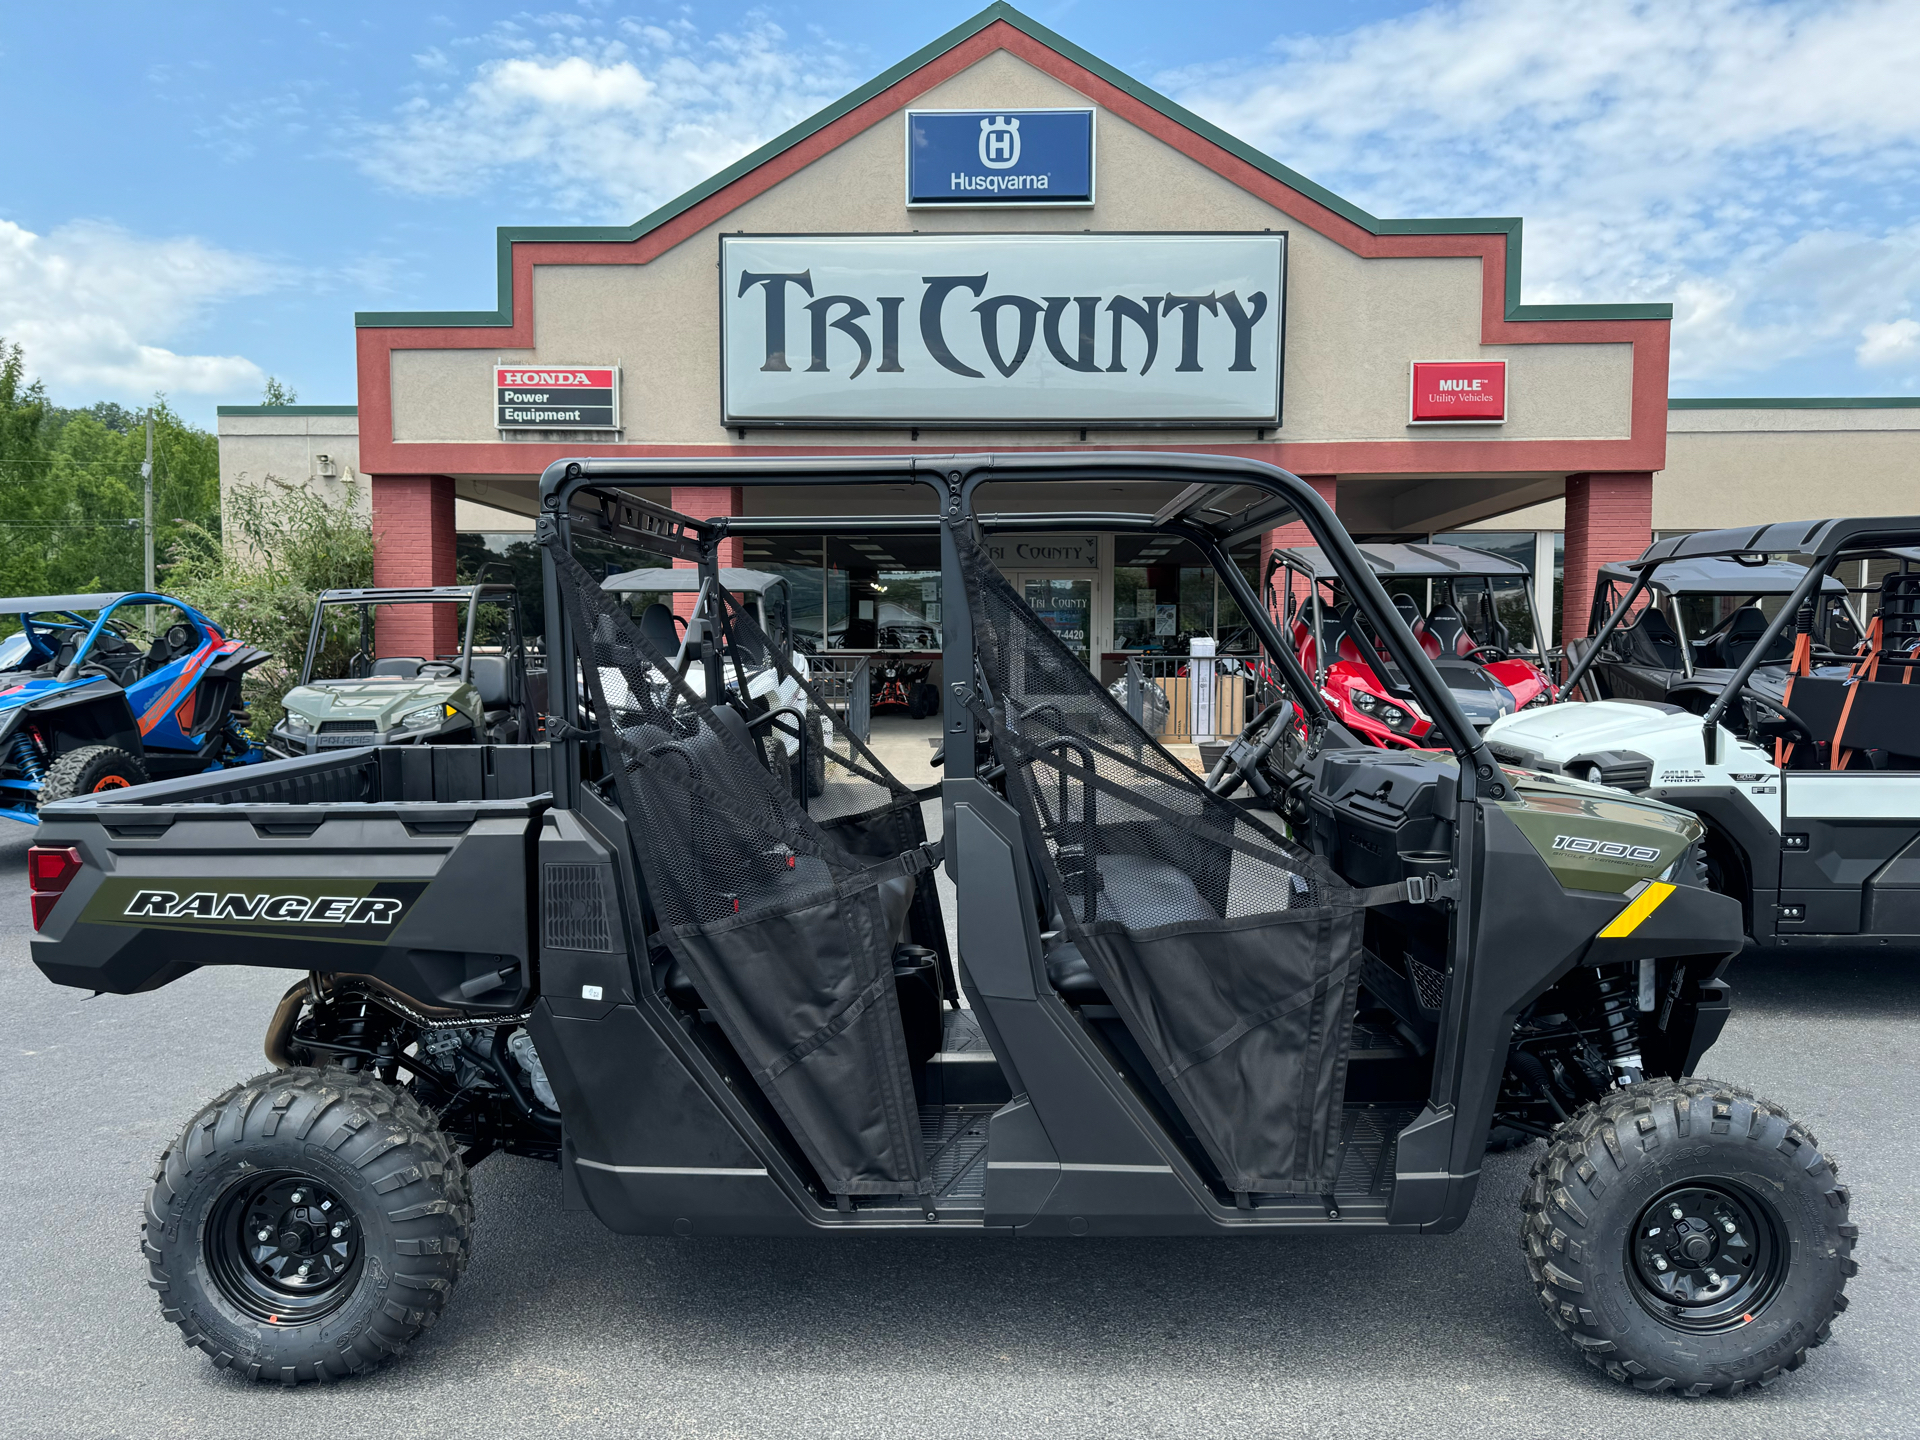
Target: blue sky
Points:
(197, 196)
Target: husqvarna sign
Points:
(1000, 157)
(982, 330)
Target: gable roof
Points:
(506, 237)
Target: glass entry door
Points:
(1065, 605)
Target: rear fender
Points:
(91, 714)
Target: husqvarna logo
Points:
(1000, 142)
(1607, 850)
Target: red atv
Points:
(1490, 672)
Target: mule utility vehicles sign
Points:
(720, 998)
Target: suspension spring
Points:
(25, 756)
(1618, 1035)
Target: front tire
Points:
(307, 1225)
(91, 770)
(1686, 1236)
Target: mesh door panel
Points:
(787, 930)
(1232, 954)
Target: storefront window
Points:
(1066, 607)
(1134, 609)
(907, 610)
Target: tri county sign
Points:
(999, 330)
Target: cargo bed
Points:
(409, 864)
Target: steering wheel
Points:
(1752, 698)
(439, 669)
(1242, 762)
(1492, 652)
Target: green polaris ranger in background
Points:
(1294, 997)
(485, 691)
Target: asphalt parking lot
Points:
(563, 1328)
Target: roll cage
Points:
(1221, 502)
(1450, 564)
(1825, 543)
(67, 609)
(472, 596)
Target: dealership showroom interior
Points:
(1005, 670)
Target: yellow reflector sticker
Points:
(1639, 909)
(451, 710)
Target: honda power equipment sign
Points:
(1457, 392)
(975, 330)
(557, 397)
(1000, 157)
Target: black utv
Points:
(1295, 998)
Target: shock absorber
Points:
(1617, 1034)
(25, 756)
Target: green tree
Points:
(281, 545)
(23, 465)
(278, 394)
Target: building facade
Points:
(1174, 289)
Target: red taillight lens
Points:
(49, 870)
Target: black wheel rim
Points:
(283, 1247)
(1706, 1256)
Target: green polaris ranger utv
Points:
(486, 690)
(1293, 997)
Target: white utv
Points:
(1800, 758)
(779, 700)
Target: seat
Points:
(1651, 641)
(399, 667)
(1411, 613)
(490, 677)
(657, 624)
(1743, 631)
(1449, 628)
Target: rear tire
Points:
(245, 1238)
(91, 770)
(816, 757)
(1731, 1293)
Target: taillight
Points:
(50, 869)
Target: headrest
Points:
(489, 675)
(657, 624)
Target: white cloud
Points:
(589, 126)
(89, 302)
(1889, 345)
(1752, 162)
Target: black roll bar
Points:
(1711, 721)
(1586, 662)
(955, 478)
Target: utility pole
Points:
(146, 485)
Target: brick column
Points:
(413, 523)
(704, 502)
(1284, 537)
(1610, 517)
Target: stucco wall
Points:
(1352, 324)
(258, 449)
(1753, 467)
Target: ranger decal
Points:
(366, 910)
(343, 909)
